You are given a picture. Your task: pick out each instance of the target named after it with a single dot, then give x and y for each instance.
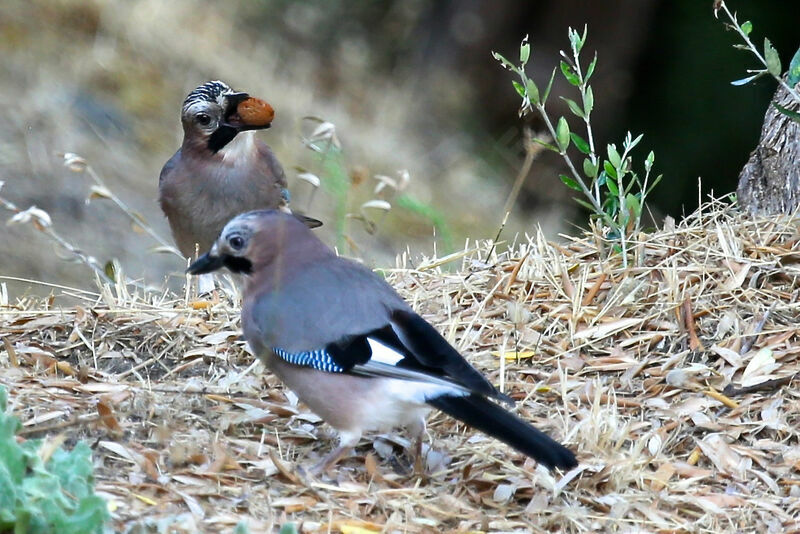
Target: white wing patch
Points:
(410, 390)
(419, 392)
(383, 353)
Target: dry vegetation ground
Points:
(672, 380)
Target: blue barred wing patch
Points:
(316, 359)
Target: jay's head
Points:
(253, 240)
(213, 114)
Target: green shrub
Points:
(610, 186)
(37, 497)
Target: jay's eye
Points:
(236, 242)
(203, 119)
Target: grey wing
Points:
(272, 167)
(340, 317)
(169, 166)
(322, 303)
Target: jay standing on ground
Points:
(350, 347)
(221, 169)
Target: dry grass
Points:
(671, 379)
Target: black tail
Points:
(488, 417)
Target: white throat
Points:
(240, 150)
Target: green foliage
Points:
(611, 189)
(429, 213)
(794, 69)
(337, 184)
(770, 61)
(56, 496)
(288, 528)
(336, 181)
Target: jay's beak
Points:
(206, 264)
(245, 112)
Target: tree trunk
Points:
(769, 183)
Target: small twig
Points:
(754, 50)
(76, 163)
(496, 238)
(589, 297)
(767, 385)
(531, 151)
(41, 221)
(721, 397)
(47, 230)
(688, 317)
(81, 419)
(753, 336)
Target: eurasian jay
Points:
(350, 347)
(221, 169)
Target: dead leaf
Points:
(107, 417)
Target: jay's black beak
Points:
(206, 264)
(242, 113)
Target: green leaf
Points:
(585, 204)
(630, 145)
(744, 81)
(583, 37)
(574, 40)
(613, 156)
(772, 58)
(524, 51)
(570, 182)
(746, 27)
(288, 528)
(794, 69)
(562, 134)
(574, 107)
(610, 169)
(648, 163)
(504, 62)
(549, 86)
(110, 270)
(611, 205)
(519, 88)
(547, 145)
(588, 101)
(533, 91)
(633, 205)
(589, 168)
(579, 142)
(612, 185)
(795, 116)
(655, 183)
(569, 74)
(590, 70)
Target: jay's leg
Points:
(347, 440)
(417, 431)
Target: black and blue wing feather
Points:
(423, 354)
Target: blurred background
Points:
(410, 85)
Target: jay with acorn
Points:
(221, 168)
